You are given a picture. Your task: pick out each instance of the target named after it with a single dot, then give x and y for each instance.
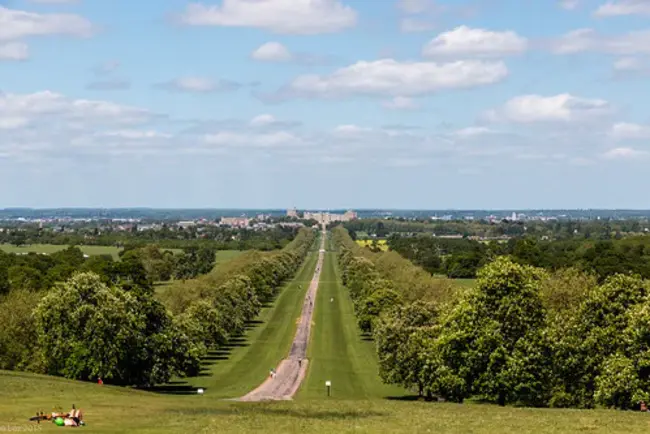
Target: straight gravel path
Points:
(291, 371)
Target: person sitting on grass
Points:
(75, 417)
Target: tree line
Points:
(219, 238)
(142, 265)
(462, 258)
(521, 336)
(92, 325)
(604, 229)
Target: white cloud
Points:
(563, 108)
(624, 153)
(401, 103)
(629, 131)
(263, 120)
(195, 84)
(272, 52)
(48, 104)
(262, 140)
(583, 40)
(569, 4)
(404, 162)
(471, 132)
(351, 130)
(631, 67)
(389, 77)
(135, 134)
(14, 51)
(628, 64)
(623, 7)
(15, 24)
(464, 41)
(279, 16)
(11, 123)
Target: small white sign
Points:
(328, 383)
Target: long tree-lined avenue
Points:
(288, 376)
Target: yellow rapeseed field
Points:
(380, 243)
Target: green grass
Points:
(337, 351)
(464, 283)
(221, 256)
(114, 410)
(224, 256)
(51, 248)
(244, 365)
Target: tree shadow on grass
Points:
(366, 337)
(254, 322)
(406, 398)
(174, 389)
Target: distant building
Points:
(186, 224)
(236, 222)
(326, 217)
(292, 213)
(291, 225)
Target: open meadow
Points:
(221, 255)
(52, 248)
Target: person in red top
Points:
(100, 381)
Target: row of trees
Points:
(215, 307)
(561, 229)
(90, 326)
(521, 336)
(462, 258)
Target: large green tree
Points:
(87, 329)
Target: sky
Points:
(416, 104)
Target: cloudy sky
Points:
(325, 103)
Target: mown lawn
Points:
(223, 256)
(337, 352)
(115, 410)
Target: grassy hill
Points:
(115, 410)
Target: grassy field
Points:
(51, 248)
(114, 410)
(337, 351)
(226, 255)
(464, 283)
(221, 257)
(238, 369)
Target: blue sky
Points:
(325, 103)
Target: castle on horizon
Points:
(324, 217)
